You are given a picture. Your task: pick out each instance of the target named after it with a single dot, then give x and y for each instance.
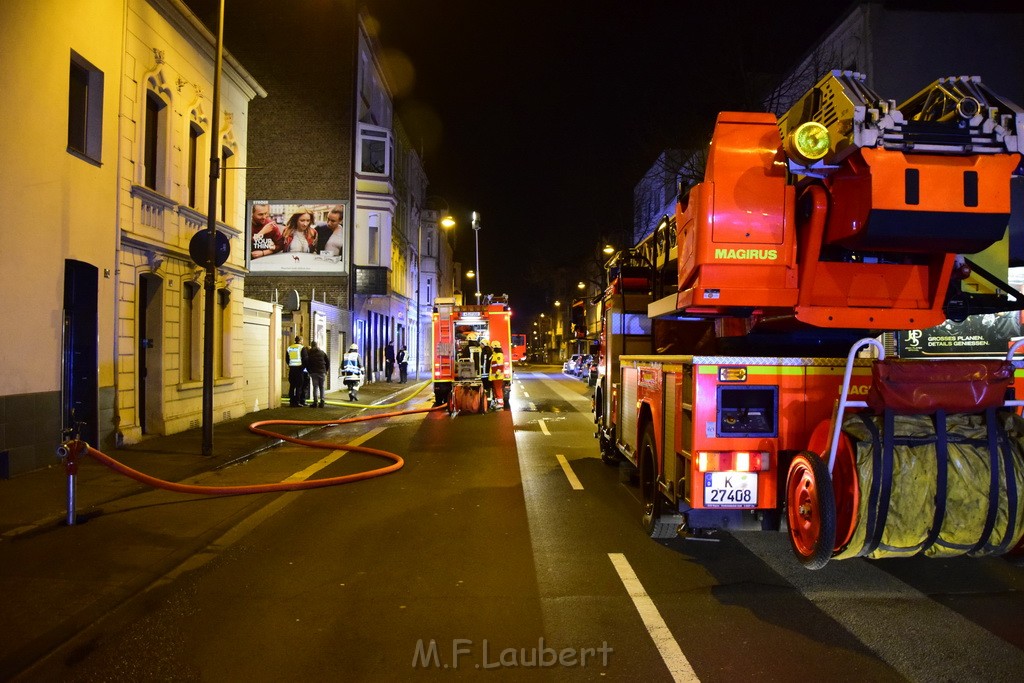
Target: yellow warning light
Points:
(809, 142)
(732, 374)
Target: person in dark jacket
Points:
(317, 365)
(403, 365)
(389, 360)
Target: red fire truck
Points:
(518, 348)
(727, 334)
(459, 333)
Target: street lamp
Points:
(556, 325)
(476, 239)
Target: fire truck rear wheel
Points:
(442, 395)
(810, 510)
(609, 455)
(650, 497)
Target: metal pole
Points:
(211, 256)
(68, 452)
(476, 239)
(71, 499)
(419, 284)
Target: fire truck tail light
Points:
(741, 461)
(733, 461)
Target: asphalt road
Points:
(506, 549)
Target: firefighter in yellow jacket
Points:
(296, 356)
(496, 374)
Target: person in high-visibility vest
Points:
(296, 356)
(497, 375)
(352, 371)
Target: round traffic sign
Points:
(199, 248)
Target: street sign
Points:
(199, 248)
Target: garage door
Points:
(256, 364)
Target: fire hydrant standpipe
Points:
(70, 451)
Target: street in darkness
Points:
(506, 548)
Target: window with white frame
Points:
(373, 154)
(85, 109)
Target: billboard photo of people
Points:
(298, 237)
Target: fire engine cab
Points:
(741, 381)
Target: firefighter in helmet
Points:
(352, 371)
(497, 375)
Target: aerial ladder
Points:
(847, 217)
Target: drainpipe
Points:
(116, 419)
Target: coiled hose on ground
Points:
(74, 448)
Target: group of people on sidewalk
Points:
(314, 363)
(391, 359)
(303, 361)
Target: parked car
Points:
(569, 366)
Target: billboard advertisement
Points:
(978, 335)
(298, 237)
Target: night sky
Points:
(544, 115)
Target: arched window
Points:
(228, 175)
(198, 149)
(154, 136)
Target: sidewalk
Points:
(59, 581)
(39, 498)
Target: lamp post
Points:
(557, 324)
(545, 329)
(476, 239)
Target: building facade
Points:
(326, 139)
(109, 144)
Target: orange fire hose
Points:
(73, 448)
